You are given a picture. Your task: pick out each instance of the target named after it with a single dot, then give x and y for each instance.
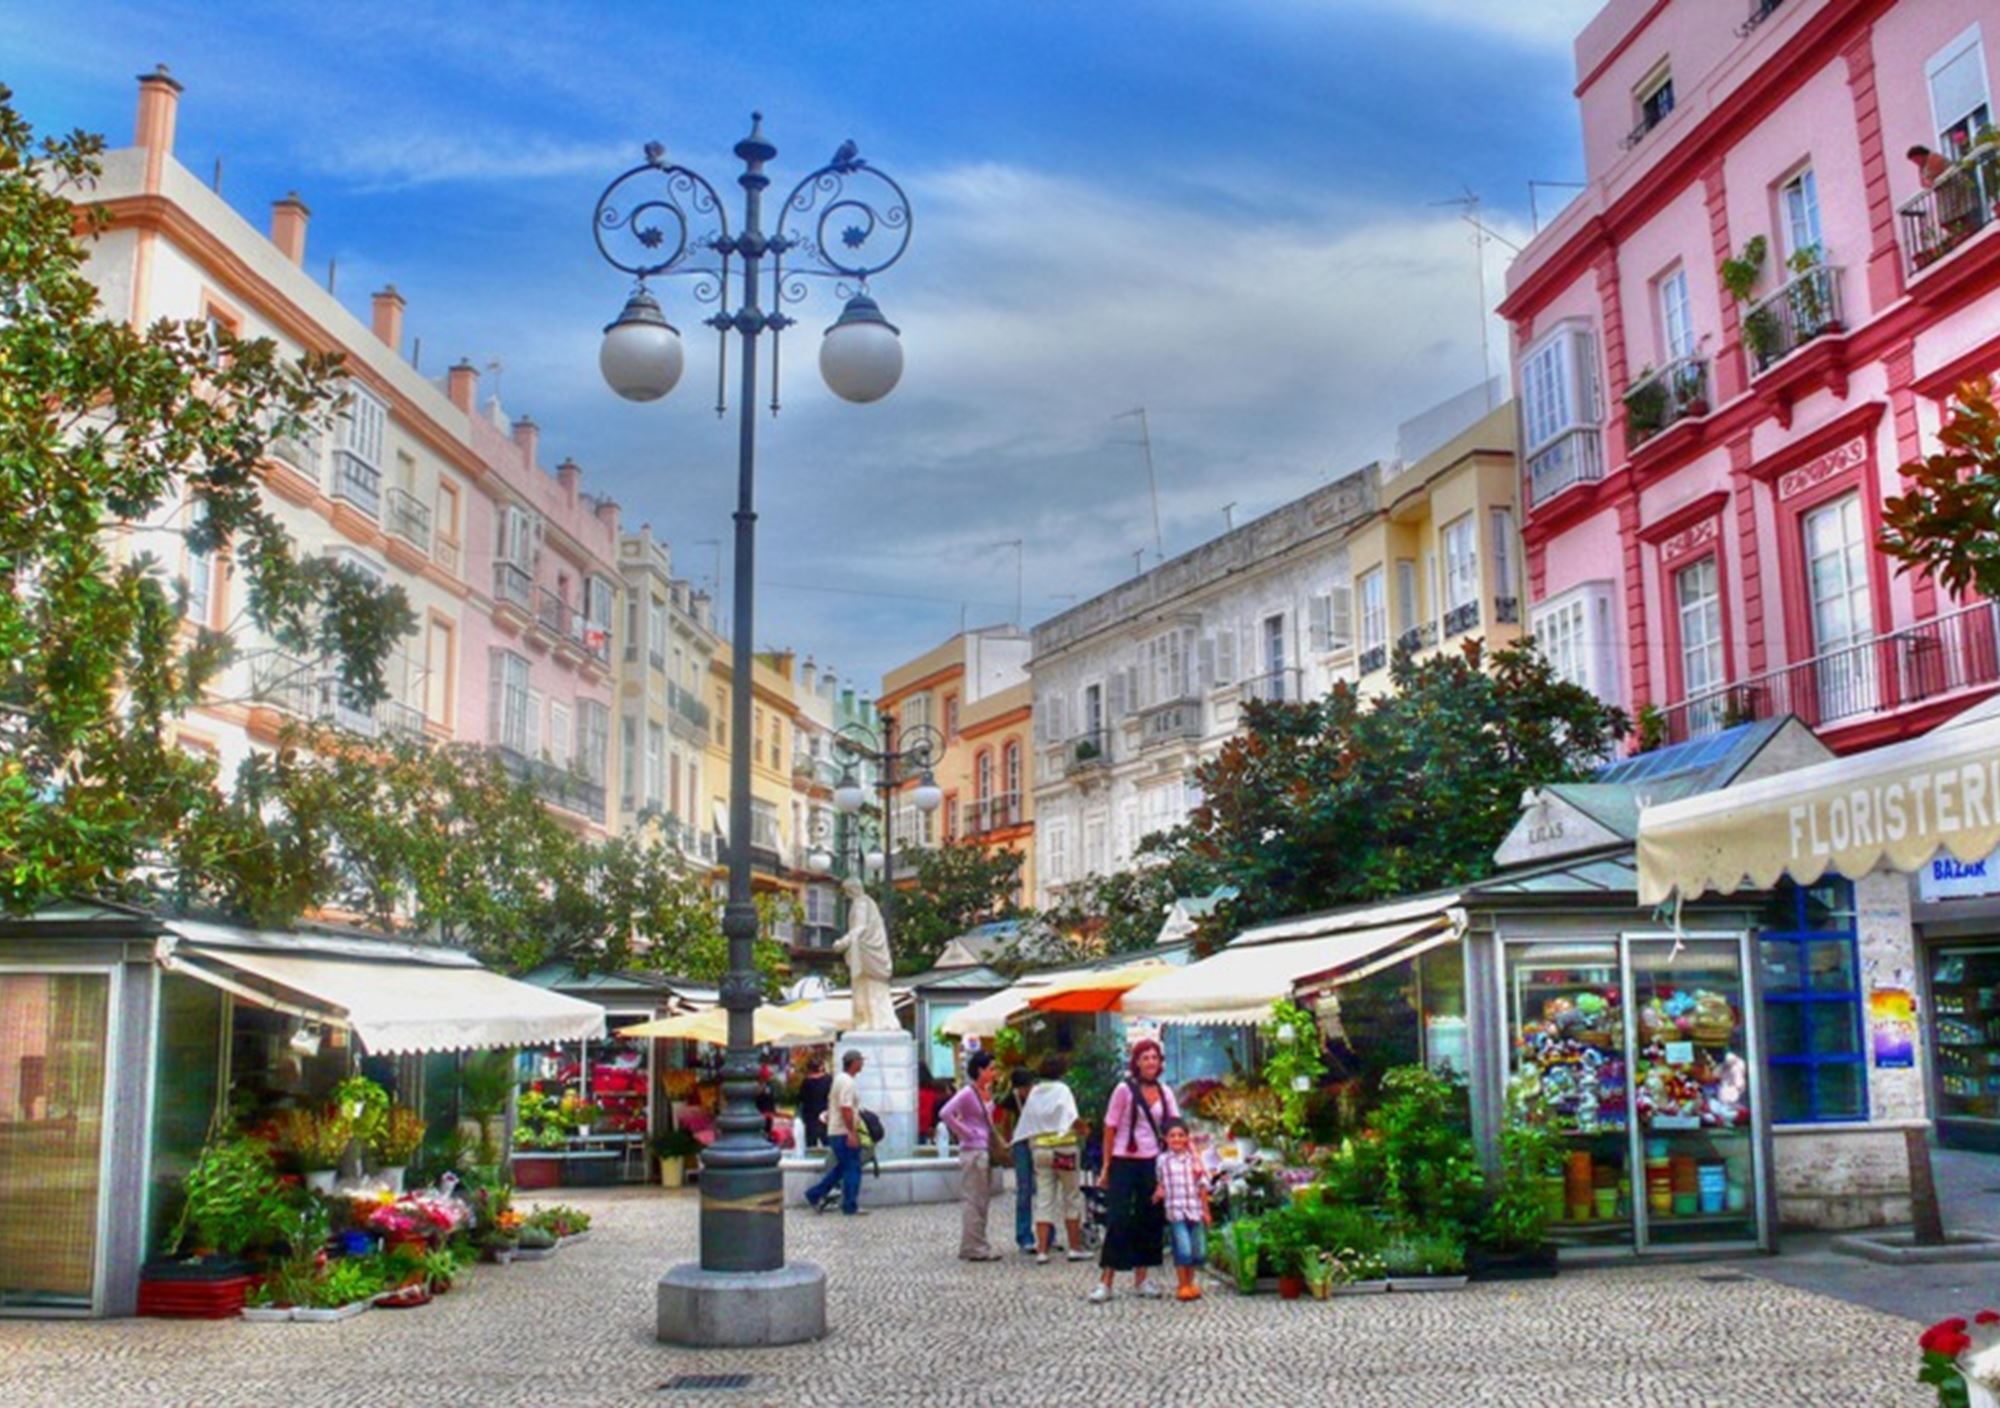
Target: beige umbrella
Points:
(769, 1026)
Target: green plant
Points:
(1010, 1048)
(560, 1220)
(399, 1137)
(1739, 275)
(344, 1282)
(289, 1279)
(1243, 1240)
(1292, 1064)
(442, 1268)
(542, 1122)
(1517, 1217)
(1765, 334)
(534, 1239)
(1651, 730)
(316, 1139)
(1286, 1240)
(364, 1104)
(1424, 1254)
(1339, 1227)
(676, 1144)
(1646, 406)
(1086, 749)
(234, 1200)
(1096, 1064)
(1430, 1173)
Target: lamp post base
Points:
(742, 1309)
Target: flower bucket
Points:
(321, 1180)
(1291, 1287)
(392, 1178)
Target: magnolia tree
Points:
(1944, 521)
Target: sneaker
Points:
(1041, 1258)
(817, 1204)
(858, 1212)
(1099, 1294)
(1151, 1290)
(1076, 1255)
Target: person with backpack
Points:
(843, 1136)
(1134, 1139)
(969, 1117)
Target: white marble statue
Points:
(866, 944)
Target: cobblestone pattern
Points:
(912, 1325)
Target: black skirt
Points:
(1135, 1226)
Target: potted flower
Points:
(1356, 1272)
(1285, 1245)
(673, 1148)
(1512, 1243)
(535, 1243)
(1241, 1241)
(1425, 1261)
(542, 1131)
(395, 1143)
(1962, 1361)
(316, 1141)
(346, 1288)
(235, 1206)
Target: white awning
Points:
(989, 1014)
(1898, 805)
(1239, 984)
(397, 1003)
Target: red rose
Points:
(1953, 1343)
(1987, 1317)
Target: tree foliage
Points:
(1944, 523)
(117, 444)
(1342, 800)
(956, 886)
(1122, 912)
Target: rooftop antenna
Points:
(332, 268)
(1468, 208)
(496, 366)
(1152, 481)
(216, 183)
(1138, 562)
(1534, 213)
(714, 580)
(1229, 517)
(1019, 552)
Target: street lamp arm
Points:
(657, 216)
(877, 224)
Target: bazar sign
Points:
(1947, 878)
(1940, 802)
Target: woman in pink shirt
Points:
(1135, 1226)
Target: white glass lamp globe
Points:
(820, 861)
(641, 355)
(848, 796)
(874, 861)
(929, 795)
(861, 355)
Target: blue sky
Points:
(1221, 212)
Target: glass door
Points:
(54, 1052)
(1695, 1093)
(1569, 1033)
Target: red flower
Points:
(1987, 1317)
(1939, 1335)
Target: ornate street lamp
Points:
(843, 223)
(895, 755)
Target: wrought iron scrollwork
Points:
(656, 217)
(856, 230)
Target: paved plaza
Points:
(911, 1325)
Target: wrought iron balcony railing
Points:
(1507, 610)
(512, 586)
(1574, 457)
(1089, 750)
(1176, 721)
(1932, 660)
(686, 705)
(1957, 206)
(1660, 398)
(555, 784)
(1419, 637)
(996, 813)
(1800, 310)
(399, 719)
(357, 482)
(1374, 658)
(1462, 618)
(1275, 687)
(409, 518)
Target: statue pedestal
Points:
(888, 1082)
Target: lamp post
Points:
(895, 755)
(842, 223)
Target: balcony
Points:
(688, 711)
(1176, 721)
(301, 455)
(1760, 10)
(512, 586)
(1658, 399)
(1574, 457)
(1087, 752)
(1462, 618)
(1801, 310)
(409, 519)
(400, 720)
(1274, 687)
(1374, 658)
(1417, 638)
(552, 614)
(996, 813)
(284, 682)
(1958, 205)
(554, 783)
(357, 482)
(334, 704)
(1953, 654)
(1506, 611)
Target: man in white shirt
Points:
(843, 1138)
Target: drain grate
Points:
(1722, 1277)
(698, 1382)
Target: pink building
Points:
(1705, 465)
(543, 561)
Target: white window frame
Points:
(656, 763)
(1461, 561)
(1501, 523)
(1970, 39)
(1704, 665)
(1577, 633)
(1559, 386)
(361, 423)
(1372, 589)
(1798, 205)
(1676, 317)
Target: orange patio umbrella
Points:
(1100, 990)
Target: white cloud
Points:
(1546, 23)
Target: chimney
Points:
(388, 307)
(607, 512)
(528, 436)
(159, 101)
(809, 676)
(288, 227)
(569, 474)
(462, 385)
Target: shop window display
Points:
(1812, 1005)
(604, 1090)
(1965, 996)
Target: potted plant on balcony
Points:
(673, 1148)
(1086, 749)
(1808, 295)
(1646, 407)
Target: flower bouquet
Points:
(1962, 1361)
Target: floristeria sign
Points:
(1898, 806)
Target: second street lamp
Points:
(843, 223)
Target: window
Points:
(1959, 95)
(656, 632)
(917, 711)
(1461, 562)
(1054, 858)
(1837, 574)
(1406, 595)
(1012, 769)
(656, 778)
(1698, 605)
(1330, 619)
(362, 418)
(511, 707)
(519, 533)
(1502, 521)
(447, 511)
(1798, 199)
(674, 787)
(1165, 672)
(1812, 1005)
(200, 570)
(593, 739)
(1655, 99)
(440, 665)
(1374, 610)
(1576, 633)
(720, 716)
(1558, 387)
(1676, 326)
(1274, 647)
(632, 628)
(559, 731)
(628, 760)
(951, 716)
(950, 810)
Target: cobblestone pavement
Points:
(911, 1325)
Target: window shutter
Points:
(1583, 367)
(534, 749)
(1225, 656)
(496, 686)
(1319, 615)
(1119, 707)
(1340, 617)
(1206, 663)
(1058, 720)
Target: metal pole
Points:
(742, 1192)
(890, 779)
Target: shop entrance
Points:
(1647, 1061)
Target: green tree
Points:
(1122, 912)
(1340, 800)
(956, 886)
(115, 443)
(1944, 522)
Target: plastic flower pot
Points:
(537, 1170)
(1291, 1287)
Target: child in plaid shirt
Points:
(1182, 1186)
